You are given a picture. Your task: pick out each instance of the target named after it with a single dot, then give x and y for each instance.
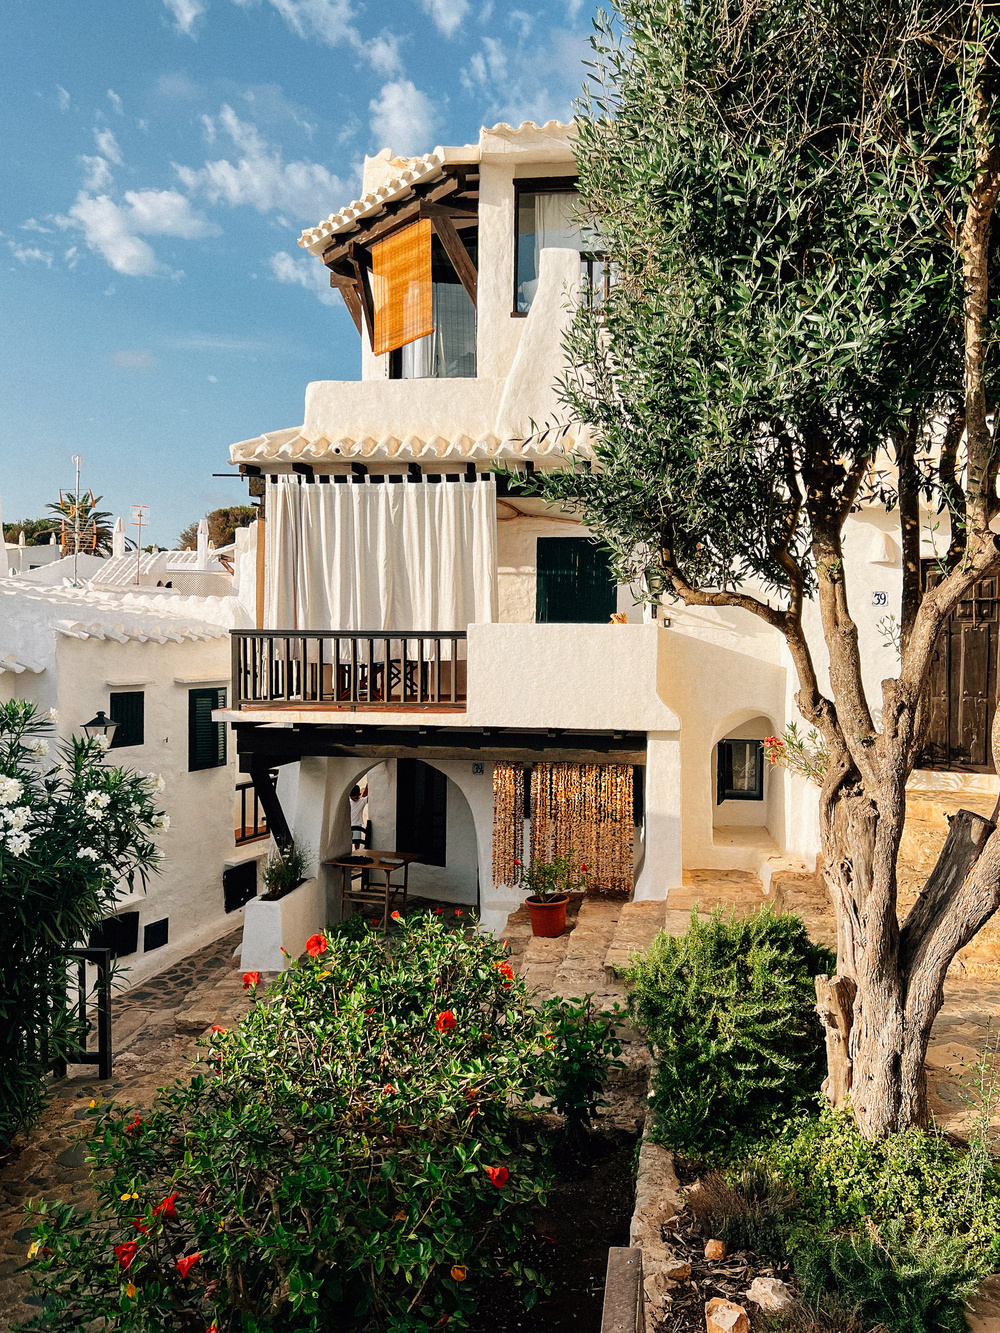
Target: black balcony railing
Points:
(348, 669)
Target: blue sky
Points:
(160, 158)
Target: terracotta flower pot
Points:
(548, 915)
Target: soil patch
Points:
(587, 1211)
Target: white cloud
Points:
(63, 96)
(447, 14)
(308, 273)
(107, 146)
(31, 225)
(528, 79)
(139, 358)
(97, 173)
(116, 101)
(524, 21)
(115, 230)
(402, 118)
(260, 178)
(28, 254)
(330, 22)
(185, 13)
(71, 257)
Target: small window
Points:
(155, 935)
(118, 933)
(422, 811)
(449, 352)
(206, 739)
(741, 771)
(128, 710)
(574, 583)
(239, 885)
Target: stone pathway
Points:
(154, 1027)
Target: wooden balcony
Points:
(369, 670)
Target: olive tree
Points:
(797, 199)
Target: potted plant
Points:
(283, 872)
(549, 884)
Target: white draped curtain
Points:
(382, 557)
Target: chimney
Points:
(202, 561)
(118, 537)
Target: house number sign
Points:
(477, 768)
(880, 598)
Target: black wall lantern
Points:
(101, 725)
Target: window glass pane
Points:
(744, 765)
(547, 220)
(450, 351)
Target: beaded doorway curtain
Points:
(586, 808)
(508, 822)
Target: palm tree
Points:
(85, 528)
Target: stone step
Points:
(635, 930)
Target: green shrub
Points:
(750, 1211)
(902, 1283)
(587, 1048)
(729, 1008)
(364, 1158)
(71, 832)
(844, 1181)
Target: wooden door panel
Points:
(962, 683)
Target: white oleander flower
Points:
(161, 823)
(97, 800)
(38, 747)
(102, 742)
(53, 714)
(18, 842)
(10, 790)
(155, 783)
(87, 854)
(17, 817)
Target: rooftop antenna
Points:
(140, 517)
(77, 463)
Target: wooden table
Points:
(373, 895)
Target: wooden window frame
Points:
(726, 792)
(534, 185)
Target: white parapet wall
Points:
(270, 927)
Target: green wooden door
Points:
(574, 582)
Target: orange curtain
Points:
(508, 822)
(401, 287)
(586, 808)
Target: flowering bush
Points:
(72, 830)
(805, 755)
(363, 1156)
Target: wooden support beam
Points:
(364, 290)
(407, 210)
(348, 290)
(455, 249)
(267, 794)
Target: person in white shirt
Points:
(359, 802)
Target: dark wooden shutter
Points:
(206, 739)
(422, 811)
(118, 933)
(239, 885)
(128, 710)
(574, 582)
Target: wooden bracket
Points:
(267, 794)
(454, 248)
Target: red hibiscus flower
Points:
(445, 1021)
(458, 911)
(437, 911)
(126, 1253)
(140, 1225)
(374, 920)
(499, 1175)
(505, 970)
(516, 861)
(213, 1329)
(135, 1127)
(394, 916)
(185, 1265)
(250, 979)
(315, 945)
(216, 1027)
(167, 1207)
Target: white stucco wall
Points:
(200, 841)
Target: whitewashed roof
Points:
(292, 446)
(417, 171)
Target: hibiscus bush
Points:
(362, 1154)
(72, 831)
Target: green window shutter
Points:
(574, 582)
(128, 710)
(206, 739)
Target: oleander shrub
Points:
(729, 1008)
(73, 830)
(363, 1154)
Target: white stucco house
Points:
(156, 661)
(420, 621)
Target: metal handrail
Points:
(349, 668)
(102, 1057)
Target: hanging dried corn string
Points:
(508, 824)
(586, 808)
